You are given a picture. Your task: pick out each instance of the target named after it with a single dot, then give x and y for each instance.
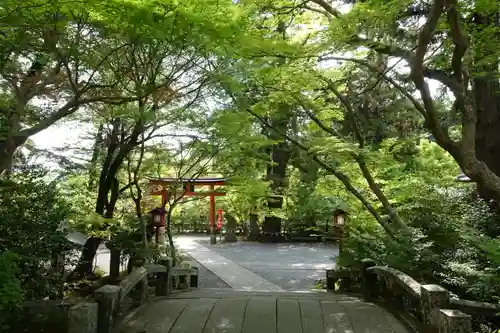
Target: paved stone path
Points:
(230, 272)
(291, 266)
(206, 278)
(227, 311)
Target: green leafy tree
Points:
(53, 52)
(451, 46)
(33, 212)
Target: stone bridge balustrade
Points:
(102, 314)
(426, 308)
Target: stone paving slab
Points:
(230, 272)
(228, 293)
(290, 279)
(285, 266)
(206, 278)
(291, 266)
(227, 311)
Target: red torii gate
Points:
(160, 186)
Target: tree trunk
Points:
(104, 207)
(115, 258)
(170, 236)
(8, 148)
(277, 175)
(96, 153)
(114, 264)
(280, 155)
(487, 99)
(10, 125)
(309, 175)
(85, 263)
(108, 192)
(276, 172)
(485, 89)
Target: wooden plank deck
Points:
(228, 311)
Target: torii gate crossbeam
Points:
(188, 185)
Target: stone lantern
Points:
(339, 219)
(230, 235)
(157, 216)
(158, 221)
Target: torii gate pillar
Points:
(160, 187)
(213, 236)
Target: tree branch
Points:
(327, 7)
(333, 170)
(430, 116)
(313, 117)
(358, 157)
(319, 11)
(426, 35)
(336, 172)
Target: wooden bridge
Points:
(373, 299)
(227, 311)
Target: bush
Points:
(11, 292)
(32, 211)
(448, 245)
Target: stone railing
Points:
(43, 316)
(112, 302)
(426, 308)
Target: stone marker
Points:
(82, 318)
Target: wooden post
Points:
(164, 282)
(82, 318)
(453, 321)
(213, 237)
(369, 279)
(433, 298)
(107, 297)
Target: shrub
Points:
(448, 244)
(11, 292)
(32, 211)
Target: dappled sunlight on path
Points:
(291, 266)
